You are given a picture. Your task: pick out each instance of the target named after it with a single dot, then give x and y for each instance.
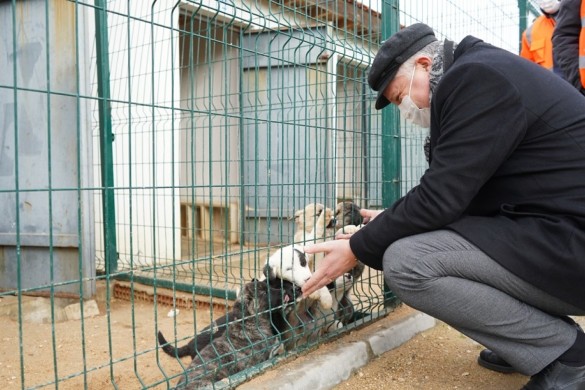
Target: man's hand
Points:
(369, 214)
(338, 260)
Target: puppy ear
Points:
(268, 272)
(297, 214)
(302, 257)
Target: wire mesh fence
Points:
(155, 154)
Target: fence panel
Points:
(153, 156)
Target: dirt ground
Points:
(439, 358)
(76, 354)
(135, 363)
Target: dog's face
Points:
(262, 295)
(328, 217)
(283, 292)
(288, 263)
(305, 218)
(347, 213)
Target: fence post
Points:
(521, 21)
(391, 156)
(106, 138)
(524, 8)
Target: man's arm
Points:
(482, 122)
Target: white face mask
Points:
(549, 6)
(410, 111)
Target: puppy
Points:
(305, 219)
(290, 263)
(218, 327)
(214, 330)
(321, 229)
(347, 213)
(310, 317)
(246, 340)
(312, 223)
(342, 307)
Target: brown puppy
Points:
(347, 213)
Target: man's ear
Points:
(425, 62)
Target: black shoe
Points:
(557, 376)
(492, 361)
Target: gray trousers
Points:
(442, 274)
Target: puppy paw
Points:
(348, 229)
(332, 327)
(325, 298)
(277, 350)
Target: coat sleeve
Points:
(480, 120)
(566, 41)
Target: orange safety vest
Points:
(582, 45)
(537, 41)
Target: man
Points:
(569, 42)
(492, 240)
(537, 39)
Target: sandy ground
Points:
(118, 349)
(437, 359)
(66, 349)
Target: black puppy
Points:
(247, 339)
(218, 327)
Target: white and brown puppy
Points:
(305, 219)
(321, 228)
(312, 223)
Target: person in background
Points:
(537, 38)
(569, 42)
(492, 239)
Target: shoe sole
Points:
(495, 367)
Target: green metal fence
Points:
(154, 153)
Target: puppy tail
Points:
(172, 351)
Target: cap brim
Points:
(381, 100)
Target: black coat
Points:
(566, 42)
(507, 171)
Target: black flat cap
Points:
(393, 53)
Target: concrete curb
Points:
(325, 370)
